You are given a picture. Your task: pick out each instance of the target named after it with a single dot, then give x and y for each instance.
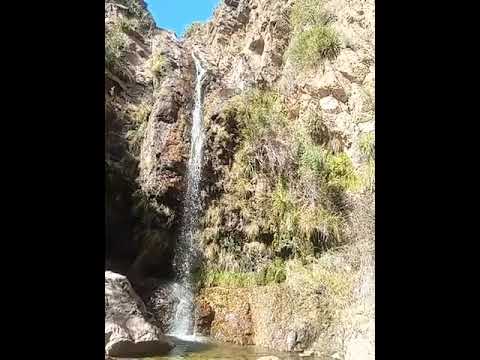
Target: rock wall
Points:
(148, 88)
(274, 317)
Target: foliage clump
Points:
(157, 64)
(138, 126)
(313, 45)
(314, 40)
(116, 43)
(367, 148)
(273, 273)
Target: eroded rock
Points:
(128, 333)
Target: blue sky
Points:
(176, 14)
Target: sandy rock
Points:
(350, 66)
(262, 316)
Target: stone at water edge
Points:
(306, 353)
(127, 332)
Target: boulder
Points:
(329, 104)
(128, 333)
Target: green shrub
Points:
(274, 273)
(340, 171)
(128, 24)
(158, 64)
(315, 128)
(139, 117)
(310, 47)
(280, 188)
(308, 13)
(336, 170)
(367, 146)
(259, 112)
(142, 112)
(301, 228)
(135, 138)
(116, 42)
(312, 158)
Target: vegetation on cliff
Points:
(284, 190)
(313, 39)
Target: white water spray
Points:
(186, 248)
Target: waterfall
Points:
(186, 248)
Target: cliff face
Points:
(319, 111)
(245, 45)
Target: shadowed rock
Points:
(128, 333)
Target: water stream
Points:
(186, 248)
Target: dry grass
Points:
(158, 64)
(116, 43)
(312, 46)
(313, 39)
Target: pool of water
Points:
(204, 349)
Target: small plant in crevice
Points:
(306, 13)
(116, 43)
(313, 40)
(136, 134)
(128, 24)
(142, 112)
(158, 64)
(314, 45)
(367, 149)
(135, 138)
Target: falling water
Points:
(185, 251)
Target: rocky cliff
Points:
(287, 232)
(148, 87)
(128, 333)
(307, 68)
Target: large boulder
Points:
(128, 333)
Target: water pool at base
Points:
(207, 350)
